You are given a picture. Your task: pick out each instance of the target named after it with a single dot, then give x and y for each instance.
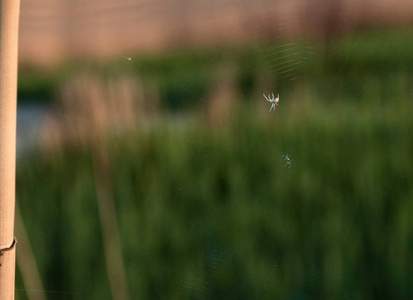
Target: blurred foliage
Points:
(366, 52)
(218, 214)
(192, 69)
(373, 51)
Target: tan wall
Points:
(51, 30)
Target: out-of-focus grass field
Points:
(216, 212)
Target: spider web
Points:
(284, 59)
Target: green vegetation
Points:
(218, 214)
(373, 51)
(195, 70)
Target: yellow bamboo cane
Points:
(9, 22)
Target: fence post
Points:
(9, 21)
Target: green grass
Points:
(209, 215)
(217, 214)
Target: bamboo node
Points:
(8, 248)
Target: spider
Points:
(273, 100)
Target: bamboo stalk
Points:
(9, 20)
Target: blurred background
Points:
(150, 167)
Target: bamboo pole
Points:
(9, 20)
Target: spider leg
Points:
(266, 98)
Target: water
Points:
(30, 119)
